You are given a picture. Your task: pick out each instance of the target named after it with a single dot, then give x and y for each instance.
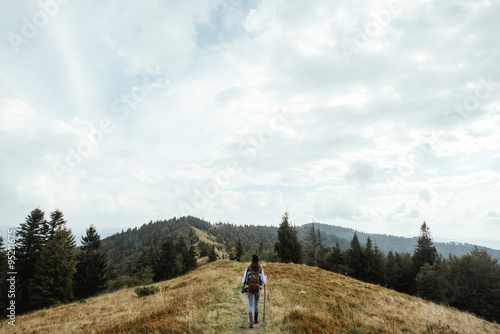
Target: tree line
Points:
(173, 258)
(469, 282)
(50, 270)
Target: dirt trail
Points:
(255, 329)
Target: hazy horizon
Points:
(104, 233)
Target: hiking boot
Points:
(251, 320)
(256, 318)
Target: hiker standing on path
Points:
(254, 278)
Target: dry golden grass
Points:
(210, 239)
(201, 302)
(338, 302)
(207, 301)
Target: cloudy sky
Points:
(375, 115)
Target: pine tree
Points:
(425, 252)
(336, 262)
(261, 248)
(288, 246)
(356, 258)
(146, 276)
(369, 261)
(283, 245)
(239, 250)
(378, 265)
(191, 251)
(212, 255)
(56, 222)
(32, 236)
(297, 249)
(403, 278)
(430, 281)
(52, 282)
(91, 270)
(4, 285)
(322, 252)
(146, 259)
(390, 270)
(165, 268)
(182, 252)
(311, 247)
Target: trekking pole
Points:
(264, 318)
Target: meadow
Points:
(300, 299)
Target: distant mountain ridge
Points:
(124, 249)
(392, 243)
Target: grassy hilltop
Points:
(207, 300)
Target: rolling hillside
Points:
(124, 249)
(207, 300)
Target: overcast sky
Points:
(374, 115)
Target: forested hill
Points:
(126, 251)
(386, 243)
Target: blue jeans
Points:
(251, 297)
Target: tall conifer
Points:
(53, 275)
(91, 270)
(55, 223)
(4, 285)
(311, 247)
(239, 250)
(31, 238)
(191, 251)
(212, 255)
(288, 246)
(165, 268)
(425, 252)
(356, 258)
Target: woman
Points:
(252, 272)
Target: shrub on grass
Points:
(142, 291)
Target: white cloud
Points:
(338, 208)
(425, 195)
(404, 131)
(493, 214)
(362, 172)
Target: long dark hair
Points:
(255, 262)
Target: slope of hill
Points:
(300, 299)
(124, 249)
(220, 249)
